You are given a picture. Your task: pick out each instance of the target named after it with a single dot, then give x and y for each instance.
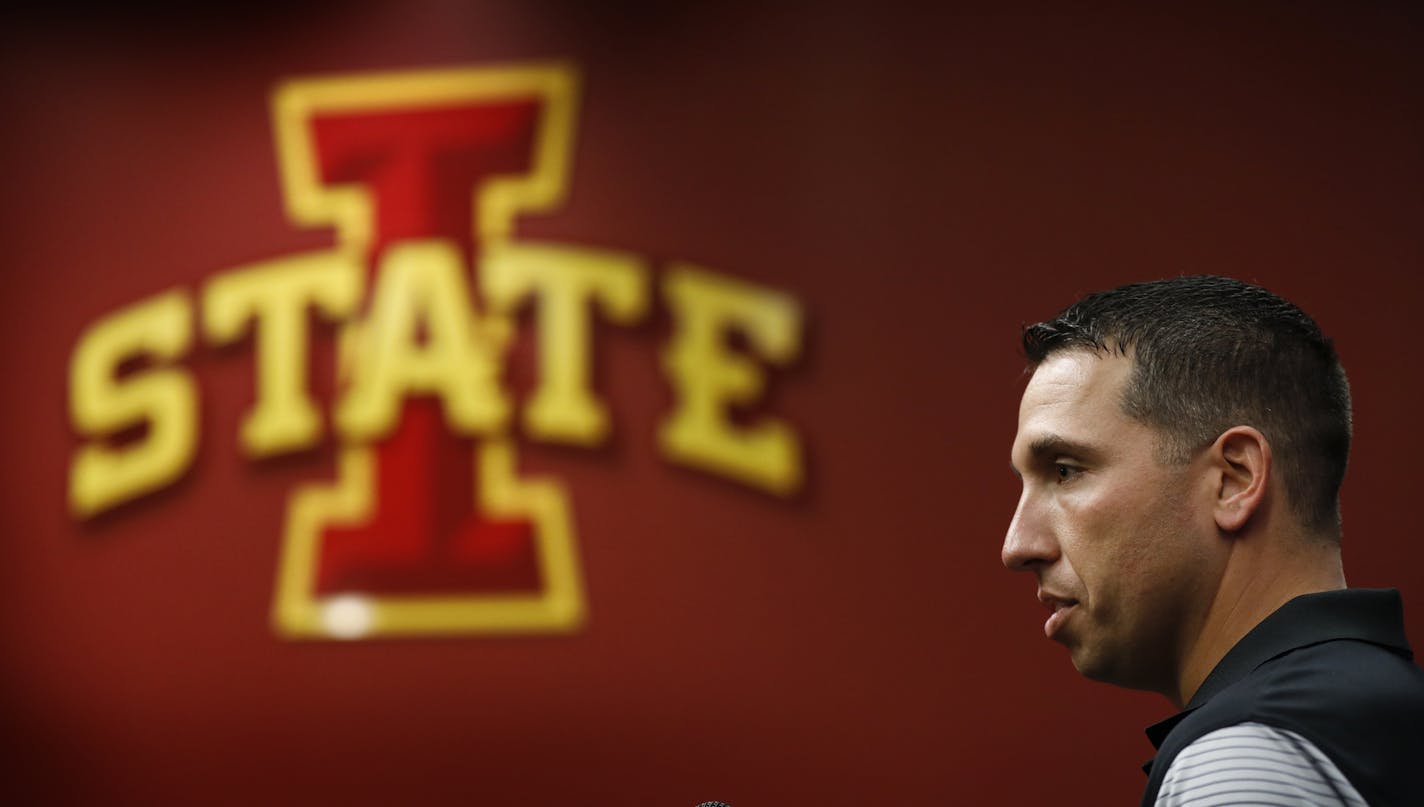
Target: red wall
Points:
(923, 185)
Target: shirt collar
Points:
(1368, 615)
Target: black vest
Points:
(1334, 667)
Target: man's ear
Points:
(1241, 459)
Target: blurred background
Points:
(921, 183)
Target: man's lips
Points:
(1062, 608)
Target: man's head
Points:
(1161, 419)
(1209, 353)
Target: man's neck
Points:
(1260, 577)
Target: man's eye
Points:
(1065, 472)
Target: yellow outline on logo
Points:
(296, 611)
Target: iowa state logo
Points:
(421, 176)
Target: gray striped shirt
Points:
(1252, 763)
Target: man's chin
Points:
(1094, 666)
(1093, 661)
(1085, 664)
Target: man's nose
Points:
(1028, 543)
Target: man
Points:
(1181, 445)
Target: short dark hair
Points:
(1210, 353)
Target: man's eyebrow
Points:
(1050, 446)
(1055, 445)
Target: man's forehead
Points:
(1077, 377)
(1073, 398)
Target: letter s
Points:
(102, 405)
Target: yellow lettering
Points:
(101, 405)
(422, 336)
(274, 295)
(565, 281)
(708, 377)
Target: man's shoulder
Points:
(1360, 703)
(1333, 687)
(1339, 680)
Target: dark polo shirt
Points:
(1334, 667)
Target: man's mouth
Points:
(1061, 607)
